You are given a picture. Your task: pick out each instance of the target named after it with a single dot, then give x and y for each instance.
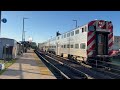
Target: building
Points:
(116, 43)
(8, 48)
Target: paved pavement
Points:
(29, 66)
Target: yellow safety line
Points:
(43, 69)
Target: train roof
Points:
(69, 31)
(81, 26)
(76, 28)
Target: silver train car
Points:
(90, 41)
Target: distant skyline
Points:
(41, 25)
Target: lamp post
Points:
(69, 45)
(4, 20)
(49, 46)
(0, 23)
(76, 22)
(24, 35)
(23, 32)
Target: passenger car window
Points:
(76, 45)
(77, 32)
(82, 45)
(72, 33)
(71, 46)
(68, 34)
(64, 35)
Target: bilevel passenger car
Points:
(93, 40)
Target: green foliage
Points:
(7, 64)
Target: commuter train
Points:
(93, 40)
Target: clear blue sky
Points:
(41, 25)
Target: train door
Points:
(58, 49)
(102, 43)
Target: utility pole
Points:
(24, 36)
(76, 22)
(23, 32)
(69, 45)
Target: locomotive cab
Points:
(100, 40)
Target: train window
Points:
(82, 45)
(91, 28)
(68, 34)
(68, 46)
(100, 38)
(58, 38)
(64, 35)
(72, 33)
(71, 46)
(76, 45)
(82, 29)
(77, 32)
(64, 46)
(85, 29)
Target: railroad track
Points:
(91, 73)
(66, 71)
(109, 69)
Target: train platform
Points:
(28, 66)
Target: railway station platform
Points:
(28, 66)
